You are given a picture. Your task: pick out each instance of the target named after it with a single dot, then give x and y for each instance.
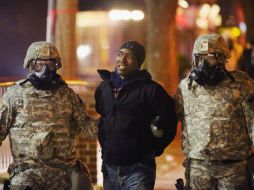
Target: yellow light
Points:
(77, 82)
(236, 31)
(6, 83)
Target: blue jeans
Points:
(137, 176)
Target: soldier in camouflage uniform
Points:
(216, 110)
(42, 115)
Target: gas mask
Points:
(43, 74)
(205, 73)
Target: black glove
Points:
(158, 133)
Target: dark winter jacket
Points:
(245, 63)
(124, 130)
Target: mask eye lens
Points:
(208, 59)
(39, 64)
(51, 65)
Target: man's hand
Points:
(179, 184)
(158, 133)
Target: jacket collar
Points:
(117, 82)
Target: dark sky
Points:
(22, 22)
(109, 4)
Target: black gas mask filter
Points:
(205, 73)
(43, 75)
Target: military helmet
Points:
(211, 43)
(42, 50)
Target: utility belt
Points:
(20, 168)
(57, 165)
(79, 167)
(219, 162)
(25, 166)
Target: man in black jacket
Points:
(246, 61)
(130, 104)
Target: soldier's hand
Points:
(158, 133)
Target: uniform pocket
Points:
(41, 146)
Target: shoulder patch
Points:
(204, 46)
(18, 103)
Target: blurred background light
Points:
(184, 4)
(217, 20)
(202, 23)
(243, 27)
(209, 15)
(115, 14)
(125, 15)
(214, 11)
(135, 15)
(83, 51)
(204, 11)
(169, 158)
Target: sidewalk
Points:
(169, 166)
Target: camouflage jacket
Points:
(217, 121)
(42, 125)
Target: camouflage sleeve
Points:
(6, 117)
(248, 107)
(178, 97)
(85, 125)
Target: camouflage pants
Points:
(48, 178)
(218, 176)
